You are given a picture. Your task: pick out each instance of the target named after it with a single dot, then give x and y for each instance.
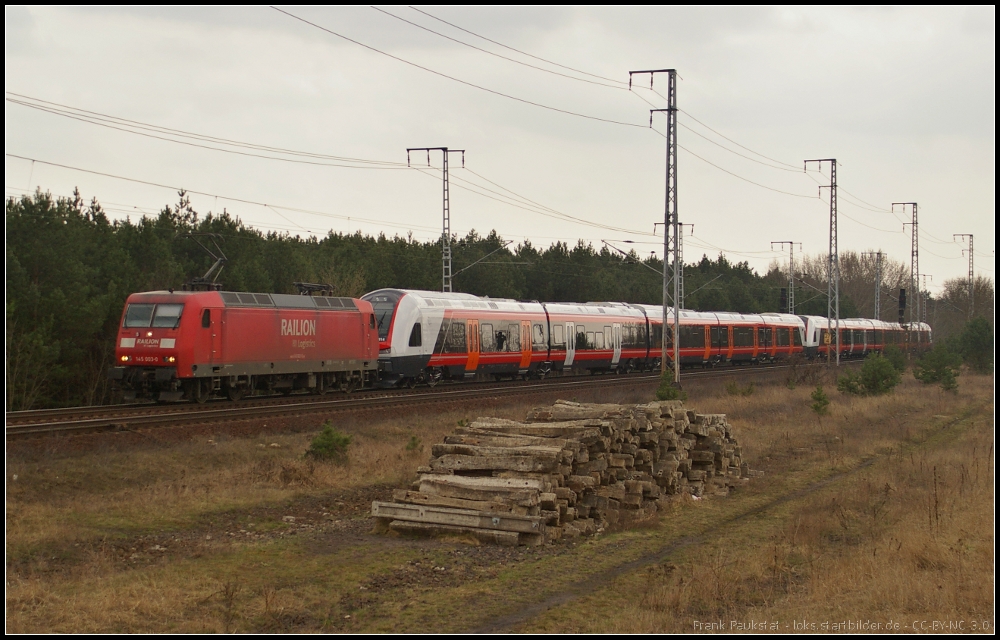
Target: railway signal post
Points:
(670, 220)
(833, 260)
(446, 214)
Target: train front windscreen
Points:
(384, 304)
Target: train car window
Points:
(441, 344)
(501, 340)
(797, 337)
(640, 334)
(455, 341)
(138, 315)
(488, 341)
(724, 337)
(714, 336)
(206, 318)
(781, 339)
(167, 316)
(657, 343)
(514, 337)
(538, 337)
(607, 338)
(598, 340)
(693, 336)
(592, 339)
(416, 336)
(581, 336)
(558, 337)
(742, 336)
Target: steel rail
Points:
(135, 416)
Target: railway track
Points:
(77, 420)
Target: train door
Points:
(525, 346)
(472, 344)
(570, 343)
(369, 327)
(616, 342)
(216, 328)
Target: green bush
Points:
(414, 444)
(877, 376)
(667, 390)
(330, 444)
(975, 345)
(895, 356)
(821, 404)
(734, 389)
(939, 365)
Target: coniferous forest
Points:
(70, 268)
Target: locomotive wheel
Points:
(410, 383)
(235, 393)
(202, 389)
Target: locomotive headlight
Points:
(170, 359)
(149, 334)
(125, 358)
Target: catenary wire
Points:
(524, 53)
(437, 33)
(460, 81)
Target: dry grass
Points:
(907, 537)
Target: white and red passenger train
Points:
(193, 345)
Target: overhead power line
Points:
(736, 175)
(497, 55)
(212, 195)
(523, 53)
(169, 135)
(459, 80)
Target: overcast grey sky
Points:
(904, 98)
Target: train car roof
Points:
(259, 300)
(455, 300)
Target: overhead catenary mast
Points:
(791, 269)
(914, 259)
(670, 221)
(878, 282)
(833, 260)
(972, 297)
(446, 210)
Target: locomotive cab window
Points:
(371, 320)
(416, 337)
(167, 316)
(206, 318)
(138, 316)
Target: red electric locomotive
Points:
(175, 345)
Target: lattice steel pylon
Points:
(833, 260)
(671, 268)
(680, 262)
(914, 259)
(923, 296)
(446, 209)
(791, 270)
(878, 282)
(972, 281)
